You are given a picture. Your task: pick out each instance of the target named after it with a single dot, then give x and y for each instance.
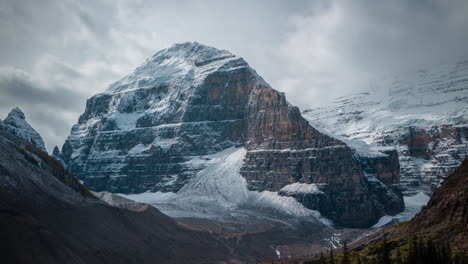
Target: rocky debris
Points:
(424, 115)
(190, 101)
(16, 123)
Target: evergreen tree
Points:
(322, 258)
(430, 253)
(331, 257)
(443, 254)
(384, 253)
(358, 260)
(420, 252)
(412, 254)
(345, 259)
(398, 259)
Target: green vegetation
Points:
(415, 251)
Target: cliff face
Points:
(424, 115)
(191, 100)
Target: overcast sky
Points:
(57, 53)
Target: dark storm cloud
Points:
(48, 109)
(56, 53)
(17, 87)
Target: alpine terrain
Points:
(424, 114)
(196, 128)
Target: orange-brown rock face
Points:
(284, 149)
(142, 134)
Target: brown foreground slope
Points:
(46, 216)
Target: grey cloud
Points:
(48, 110)
(312, 50)
(350, 44)
(15, 87)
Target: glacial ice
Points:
(219, 191)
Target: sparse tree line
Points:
(417, 251)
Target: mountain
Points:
(47, 216)
(424, 114)
(16, 123)
(191, 112)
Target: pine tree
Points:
(331, 257)
(384, 253)
(398, 259)
(430, 253)
(420, 252)
(359, 260)
(322, 258)
(412, 251)
(345, 259)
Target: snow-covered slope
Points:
(16, 123)
(183, 65)
(424, 114)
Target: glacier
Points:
(220, 192)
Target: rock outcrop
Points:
(424, 116)
(56, 154)
(16, 123)
(191, 100)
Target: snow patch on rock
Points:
(302, 188)
(413, 205)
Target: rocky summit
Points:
(16, 123)
(152, 131)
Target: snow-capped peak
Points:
(198, 53)
(16, 123)
(15, 113)
(185, 63)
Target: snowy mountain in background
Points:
(424, 114)
(168, 129)
(16, 123)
